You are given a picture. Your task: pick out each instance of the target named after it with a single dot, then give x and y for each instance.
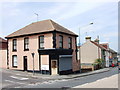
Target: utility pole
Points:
(80, 44)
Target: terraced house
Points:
(90, 51)
(54, 49)
(3, 53)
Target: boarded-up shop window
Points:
(54, 64)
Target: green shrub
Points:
(99, 62)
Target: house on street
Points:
(90, 51)
(113, 57)
(54, 48)
(107, 54)
(3, 53)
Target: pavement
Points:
(55, 77)
(106, 82)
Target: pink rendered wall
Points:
(33, 47)
(3, 58)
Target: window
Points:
(14, 44)
(60, 41)
(26, 43)
(14, 61)
(41, 42)
(70, 43)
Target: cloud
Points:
(11, 9)
(110, 34)
(75, 9)
(57, 8)
(15, 12)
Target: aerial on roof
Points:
(40, 27)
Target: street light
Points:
(33, 61)
(80, 44)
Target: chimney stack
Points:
(97, 40)
(88, 38)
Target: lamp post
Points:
(33, 61)
(80, 44)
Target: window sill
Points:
(26, 49)
(41, 48)
(60, 48)
(14, 50)
(14, 66)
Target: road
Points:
(70, 83)
(21, 80)
(18, 79)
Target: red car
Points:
(113, 65)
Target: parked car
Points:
(113, 65)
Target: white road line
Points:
(14, 82)
(19, 78)
(51, 81)
(18, 74)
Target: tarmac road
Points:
(18, 79)
(24, 80)
(70, 83)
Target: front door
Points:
(54, 69)
(25, 63)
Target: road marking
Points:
(19, 78)
(14, 82)
(53, 81)
(18, 74)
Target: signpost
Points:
(33, 61)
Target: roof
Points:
(40, 27)
(100, 46)
(3, 44)
(105, 45)
(2, 40)
(112, 51)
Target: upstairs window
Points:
(26, 43)
(60, 41)
(41, 42)
(70, 43)
(14, 44)
(14, 61)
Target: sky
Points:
(73, 15)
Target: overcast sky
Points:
(72, 15)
